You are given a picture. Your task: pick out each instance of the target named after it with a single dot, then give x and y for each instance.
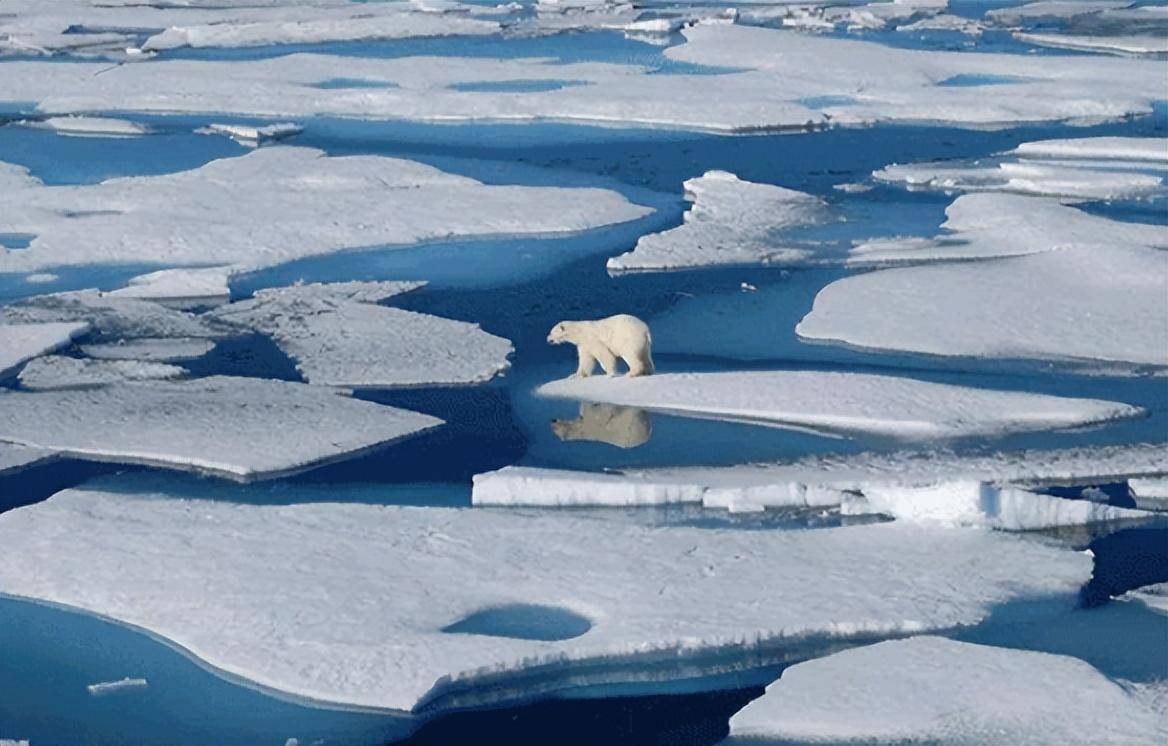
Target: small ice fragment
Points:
(109, 687)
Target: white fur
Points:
(604, 340)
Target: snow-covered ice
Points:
(1140, 44)
(14, 458)
(876, 83)
(339, 336)
(102, 688)
(80, 126)
(1155, 488)
(843, 402)
(1131, 170)
(164, 349)
(59, 371)
(253, 136)
(274, 205)
(977, 504)
(112, 316)
(373, 587)
(1094, 291)
(939, 691)
(731, 222)
(20, 342)
(180, 288)
(244, 428)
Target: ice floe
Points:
(1094, 291)
(857, 83)
(150, 349)
(89, 126)
(1132, 169)
(109, 687)
(819, 481)
(180, 288)
(1142, 44)
(217, 578)
(20, 342)
(935, 690)
(842, 402)
(1153, 487)
(253, 137)
(59, 371)
(339, 336)
(244, 428)
(1113, 27)
(112, 316)
(274, 205)
(977, 504)
(731, 222)
(14, 458)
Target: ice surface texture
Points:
(58, 372)
(934, 690)
(243, 428)
(843, 402)
(278, 204)
(23, 341)
(346, 603)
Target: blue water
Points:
(518, 288)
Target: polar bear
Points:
(604, 340)
(623, 427)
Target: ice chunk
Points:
(1135, 172)
(1144, 44)
(244, 428)
(985, 505)
(253, 136)
(1051, 10)
(274, 205)
(217, 577)
(180, 288)
(934, 690)
(339, 337)
(843, 402)
(1153, 487)
(89, 126)
(108, 687)
(731, 222)
(151, 349)
(58, 372)
(1153, 596)
(518, 485)
(884, 84)
(113, 316)
(1094, 292)
(14, 458)
(20, 342)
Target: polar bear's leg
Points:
(586, 365)
(640, 363)
(607, 360)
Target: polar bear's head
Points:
(559, 334)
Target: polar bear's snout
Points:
(558, 335)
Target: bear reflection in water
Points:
(623, 427)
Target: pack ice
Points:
(339, 336)
(843, 402)
(731, 222)
(840, 82)
(274, 205)
(1087, 289)
(59, 371)
(935, 690)
(20, 342)
(1112, 169)
(243, 428)
(218, 578)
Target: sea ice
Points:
(89, 126)
(20, 342)
(150, 349)
(373, 588)
(1080, 173)
(732, 222)
(843, 402)
(244, 428)
(939, 691)
(180, 288)
(338, 336)
(1141, 44)
(109, 687)
(879, 83)
(1155, 488)
(253, 136)
(1094, 291)
(274, 205)
(58, 372)
(14, 458)
(112, 316)
(982, 505)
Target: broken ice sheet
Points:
(843, 402)
(377, 640)
(21, 341)
(242, 428)
(59, 372)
